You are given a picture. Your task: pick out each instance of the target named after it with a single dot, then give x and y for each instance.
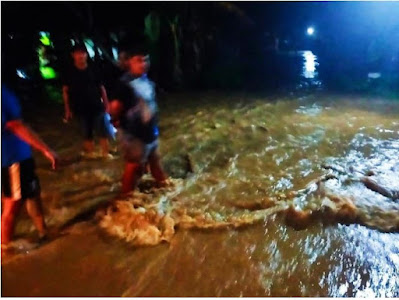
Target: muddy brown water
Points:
(244, 149)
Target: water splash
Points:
(244, 180)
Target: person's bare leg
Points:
(35, 211)
(104, 146)
(156, 169)
(11, 209)
(131, 176)
(146, 168)
(88, 146)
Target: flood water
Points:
(278, 204)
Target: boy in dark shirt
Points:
(85, 95)
(134, 110)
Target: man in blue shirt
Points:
(19, 182)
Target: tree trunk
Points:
(177, 72)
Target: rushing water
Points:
(279, 203)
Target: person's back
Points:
(142, 89)
(13, 149)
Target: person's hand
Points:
(68, 115)
(146, 114)
(52, 157)
(107, 108)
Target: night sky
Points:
(351, 32)
(283, 17)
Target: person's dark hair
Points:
(78, 47)
(124, 46)
(134, 44)
(122, 92)
(139, 49)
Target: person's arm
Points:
(148, 109)
(104, 97)
(146, 113)
(65, 97)
(27, 135)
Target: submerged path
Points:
(248, 154)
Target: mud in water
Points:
(310, 160)
(264, 190)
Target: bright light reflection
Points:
(89, 46)
(115, 53)
(309, 68)
(21, 74)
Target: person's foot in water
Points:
(164, 183)
(20, 245)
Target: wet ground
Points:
(279, 203)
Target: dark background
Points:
(215, 45)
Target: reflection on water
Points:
(309, 76)
(310, 64)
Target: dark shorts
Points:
(19, 181)
(93, 123)
(135, 150)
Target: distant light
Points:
(374, 75)
(310, 30)
(115, 53)
(48, 72)
(90, 51)
(89, 46)
(21, 74)
(45, 38)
